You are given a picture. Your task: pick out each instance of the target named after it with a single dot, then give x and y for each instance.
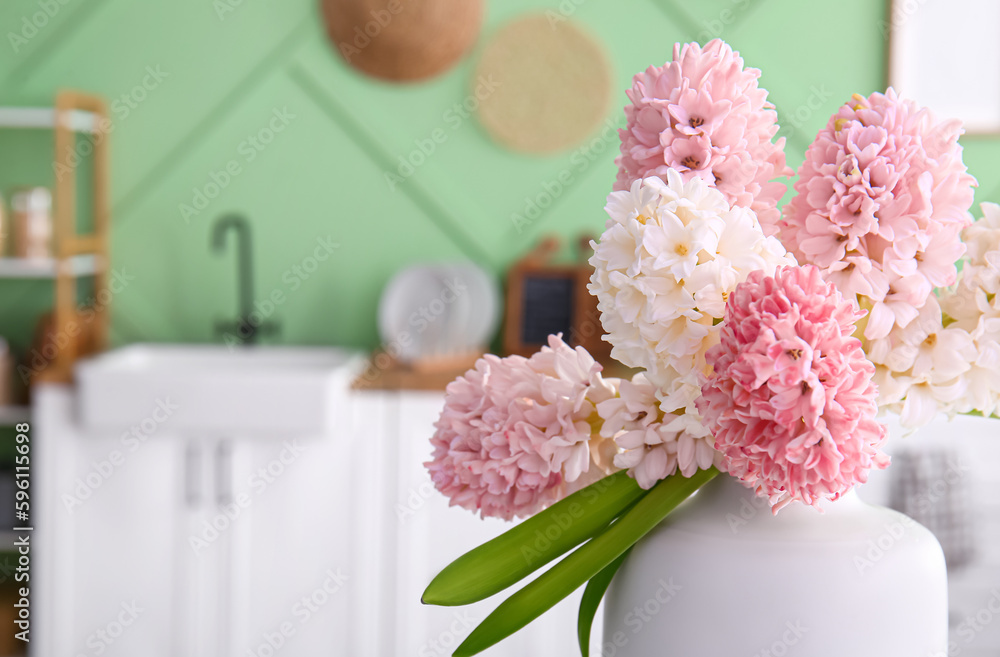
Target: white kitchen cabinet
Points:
(275, 577)
(227, 546)
(107, 547)
(290, 576)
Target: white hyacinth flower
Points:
(948, 358)
(670, 255)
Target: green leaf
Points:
(566, 576)
(518, 552)
(591, 600)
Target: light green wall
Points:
(323, 175)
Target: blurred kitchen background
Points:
(390, 190)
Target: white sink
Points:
(216, 389)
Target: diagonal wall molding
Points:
(435, 212)
(250, 81)
(42, 50)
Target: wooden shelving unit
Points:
(80, 265)
(75, 255)
(45, 118)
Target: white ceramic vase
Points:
(724, 577)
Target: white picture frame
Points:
(945, 54)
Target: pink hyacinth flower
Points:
(514, 431)
(704, 115)
(791, 401)
(880, 203)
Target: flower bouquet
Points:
(768, 340)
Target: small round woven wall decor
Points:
(549, 81)
(402, 40)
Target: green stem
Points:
(582, 565)
(518, 552)
(591, 600)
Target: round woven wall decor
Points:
(402, 40)
(549, 82)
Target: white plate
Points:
(437, 310)
(398, 311)
(484, 297)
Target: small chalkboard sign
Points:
(545, 299)
(547, 306)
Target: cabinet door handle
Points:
(192, 474)
(223, 472)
